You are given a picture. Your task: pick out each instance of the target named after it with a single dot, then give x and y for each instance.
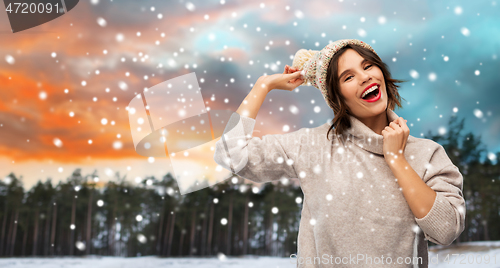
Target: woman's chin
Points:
(373, 109)
(378, 108)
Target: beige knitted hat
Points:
(314, 63)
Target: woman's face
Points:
(355, 77)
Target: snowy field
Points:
(144, 262)
(471, 254)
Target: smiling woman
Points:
(357, 64)
(366, 195)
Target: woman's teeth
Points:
(368, 91)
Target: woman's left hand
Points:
(395, 138)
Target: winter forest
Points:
(83, 216)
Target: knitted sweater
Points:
(354, 213)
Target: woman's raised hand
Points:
(290, 70)
(395, 139)
(288, 80)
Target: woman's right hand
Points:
(290, 70)
(288, 80)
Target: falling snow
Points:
(9, 59)
(42, 95)
(117, 145)
(478, 113)
(102, 22)
(414, 74)
(57, 142)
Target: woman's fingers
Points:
(403, 125)
(290, 70)
(294, 70)
(288, 81)
(394, 125)
(294, 76)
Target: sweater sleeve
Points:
(253, 158)
(446, 219)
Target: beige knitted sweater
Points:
(354, 213)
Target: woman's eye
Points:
(365, 69)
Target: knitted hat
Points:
(314, 64)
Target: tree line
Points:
(84, 215)
(118, 218)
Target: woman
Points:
(373, 194)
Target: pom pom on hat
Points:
(302, 56)
(314, 64)
(300, 61)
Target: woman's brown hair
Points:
(341, 120)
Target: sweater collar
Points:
(364, 137)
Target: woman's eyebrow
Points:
(348, 70)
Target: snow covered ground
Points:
(471, 254)
(144, 262)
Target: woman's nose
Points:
(365, 78)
